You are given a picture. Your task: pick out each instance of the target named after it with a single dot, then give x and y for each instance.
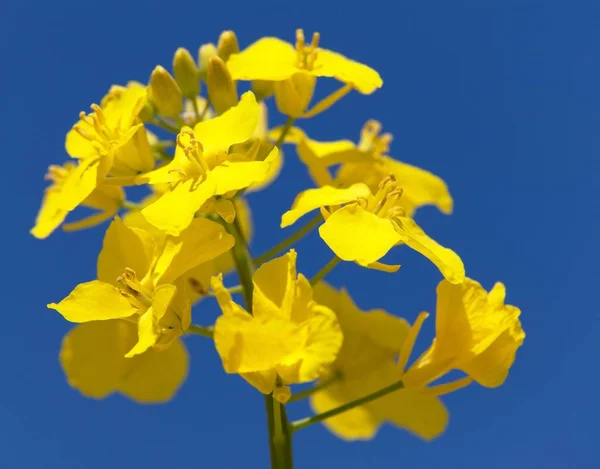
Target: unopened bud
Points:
(205, 53)
(221, 88)
(228, 44)
(166, 95)
(186, 73)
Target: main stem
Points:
(280, 436)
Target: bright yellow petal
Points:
(354, 234)
(233, 176)
(236, 125)
(479, 332)
(134, 156)
(264, 381)
(227, 305)
(275, 287)
(88, 222)
(312, 199)
(175, 209)
(79, 147)
(156, 376)
(82, 181)
(450, 265)
(201, 241)
(93, 301)
(147, 334)
(92, 356)
(331, 64)
(248, 344)
(50, 216)
(268, 58)
(323, 341)
(124, 247)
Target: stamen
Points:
(300, 41)
(447, 388)
(409, 343)
(193, 150)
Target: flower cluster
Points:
(200, 148)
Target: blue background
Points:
(502, 101)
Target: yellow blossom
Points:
(475, 333)
(294, 70)
(288, 339)
(139, 281)
(202, 166)
(362, 227)
(367, 363)
(92, 357)
(106, 199)
(112, 135)
(367, 162)
(198, 278)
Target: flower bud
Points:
(166, 95)
(205, 53)
(186, 73)
(227, 45)
(221, 88)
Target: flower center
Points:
(306, 54)
(94, 128)
(386, 203)
(194, 153)
(372, 140)
(131, 288)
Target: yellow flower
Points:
(288, 339)
(294, 71)
(367, 226)
(367, 363)
(368, 163)
(203, 168)
(198, 278)
(92, 357)
(139, 281)
(475, 333)
(107, 199)
(112, 135)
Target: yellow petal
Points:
(147, 335)
(312, 199)
(354, 234)
(227, 305)
(175, 209)
(275, 287)
(124, 247)
(264, 381)
(156, 376)
(320, 349)
(93, 301)
(78, 146)
(331, 64)
(88, 222)
(50, 216)
(450, 265)
(201, 241)
(236, 125)
(225, 209)
(92, 356)
(478, 331)
(422, 414)
(248, 344)
(268, 58)
(134, 156)
(293, 95)
(233, 176)
(355, 424)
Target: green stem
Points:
(284, 130)
(289, 241)
(319, 387)
(320, 275)
(206, 331)
(280, 441)
(157, 121)
(308, 421)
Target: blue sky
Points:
(502, 101)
